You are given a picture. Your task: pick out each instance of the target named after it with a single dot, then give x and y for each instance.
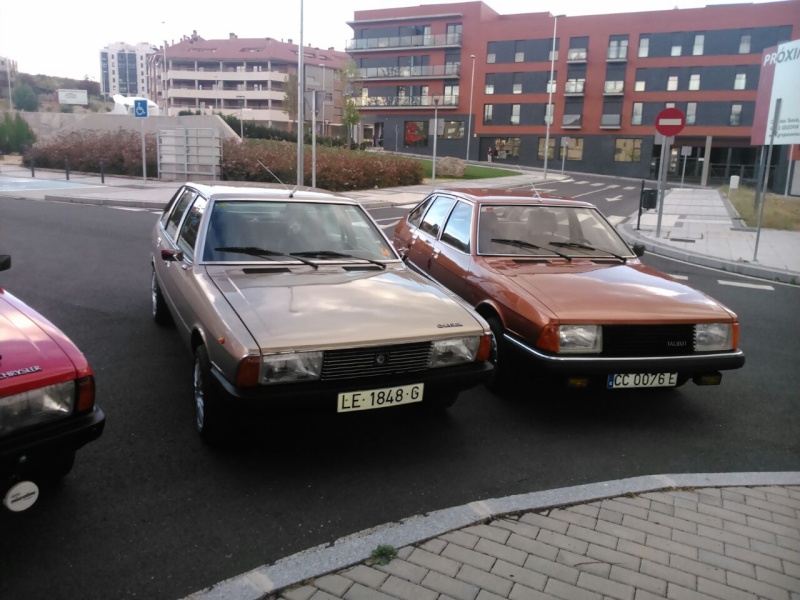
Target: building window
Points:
(691, 113)
(669, 105)
(551, 86)
(672, 83)
(628, 150)
(515, 114)
(488, 110)
(675, 51)
(699, 42)
(618, 49)
(644, 46)
(491, 57)
(507, 147)
(636, 116)
(516, 87)
(416, 133)
(575, 149)
(453, 130)
(548, 113)
(638, 86)
(694, 82)
(744, 45)
(736, 114)
(489, 85)
(740, 82)
(551, 149)
(519, 53)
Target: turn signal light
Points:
(85, 388)
(247, 373)
(549, 340)
(708, 379)
(578, 382)
(485, 348)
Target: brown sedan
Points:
(562, 290)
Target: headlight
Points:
(713, 336)
(580, 339)
(286, 368)
(455, 351)
(36, 406)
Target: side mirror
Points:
(5, 262)
(638, 249)
(172, 255)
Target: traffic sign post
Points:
(140, 112)
(669, 123)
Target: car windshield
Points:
(547, 230)
(304, 231)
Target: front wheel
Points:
(499, 381)
(208, 405)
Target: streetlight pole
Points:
(241, 116)
(435, 135)
(471, 90)
(301, 85)
(550, 86)
(166, 77)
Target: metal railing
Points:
(452, 70)
(574, 86)
(613, 87)
(405, 41)
(402, 101)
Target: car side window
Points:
(436, 215)
(415, 216)
(174, 219)
(459, 225)
(191, 227)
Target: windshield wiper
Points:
(529, 246)
(263, 252)
(322, 253)
(587, 247)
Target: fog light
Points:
(708, 379)
(578, 382)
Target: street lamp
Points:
(241, 116)
(165, 77)
(550, 86)
(471, 89)
(435, 134)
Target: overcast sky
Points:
(64, 39)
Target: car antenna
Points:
(533, 185)
(275, 176)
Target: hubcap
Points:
(199, 401)
(154, 293)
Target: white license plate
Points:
(641, 380)
(380, 398)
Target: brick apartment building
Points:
(246, 78)
(611, 75)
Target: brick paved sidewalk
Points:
(708, 543)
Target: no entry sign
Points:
(670, 122)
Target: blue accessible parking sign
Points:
(140, 108)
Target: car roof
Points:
(252, 190)
(480, 195)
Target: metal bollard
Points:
(102, 171)
(66, 167)
(33, 168)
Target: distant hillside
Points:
(45, 87)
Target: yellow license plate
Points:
(379, 398)
(641, 380)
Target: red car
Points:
(564, 293)
(47, 401)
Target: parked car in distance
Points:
(564, 292)
(297, 298)
(47, 401)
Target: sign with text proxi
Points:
(140, 108)
(670, 122)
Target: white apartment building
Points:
(123, 69)
(246, 78)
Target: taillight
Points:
(85, 389)
(248, 371)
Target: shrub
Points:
(15, 134)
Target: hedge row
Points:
(337, 170)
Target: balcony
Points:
(571, 121)
(574, 87)
(404, 102)
(610, 121)
(419, 72)
(617, 54)
(442, 40)
(614, 88)
(577, 55)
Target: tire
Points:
(209, 414)
(499, 381)
(160, 310)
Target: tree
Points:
(350, 117)
(25, 98)
(349, 75)
(290, 97)
(15, 134)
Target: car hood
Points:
(333, 308)
(29, 356)
(610, 293)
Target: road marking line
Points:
(612, 186)
(629, 187)
(581, 182)
(681, 277)
(616, 219)
(753, 286)
(597, 184)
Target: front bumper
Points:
(686, 365)
(30, 451)
(322, 395)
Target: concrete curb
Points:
(356, 548)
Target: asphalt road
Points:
(150, 512)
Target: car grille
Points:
(648, 340)
(374, 361)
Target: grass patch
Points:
(472, 172)
(780, 212)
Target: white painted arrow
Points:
(615, 198)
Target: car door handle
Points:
(435, 254)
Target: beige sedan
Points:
(297, 298)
